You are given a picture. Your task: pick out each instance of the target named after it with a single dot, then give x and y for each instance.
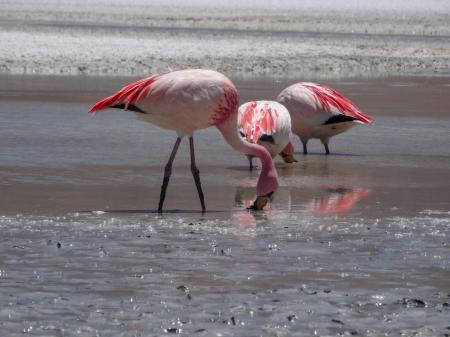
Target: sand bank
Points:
(117, 38)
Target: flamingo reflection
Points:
(338, 200)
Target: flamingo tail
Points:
(126, 96)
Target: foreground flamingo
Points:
(267, 123)
(185, 101)
(318, 111)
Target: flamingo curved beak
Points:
(260, 202)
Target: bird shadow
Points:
(151, 211)
(319, 154)
(242, 168)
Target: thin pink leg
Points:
(196, 174)
(167, 173)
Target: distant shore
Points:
(41, 37)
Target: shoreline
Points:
(84, 89)
(41, 38)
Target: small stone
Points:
(172, 330)
(337, 321)
(413, 303)
(183, 288)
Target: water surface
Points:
(355, 243)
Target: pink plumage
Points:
(329, 98)
(257, 119)
(319, 111)
(128, 95)
(185, 101)
(267, 123)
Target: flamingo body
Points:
(185, 101)
(267, 123)
(319, 111)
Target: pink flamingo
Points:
(267, 123)
(318, 111)
(185, 101)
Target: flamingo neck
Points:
(268, 178)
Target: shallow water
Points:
(355, 243)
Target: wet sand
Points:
(350, 240)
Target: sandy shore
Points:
(118, 38)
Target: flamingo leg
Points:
(325, 144)
(167, 173)
(250, 160)
(196, 174)
(305, 148)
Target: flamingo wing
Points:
(127, 96)
(258, 121)
(334, 102)
(205, 97)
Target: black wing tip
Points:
(339, 119)
(267, 138)
(131, 107)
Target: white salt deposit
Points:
(254, 38)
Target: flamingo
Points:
(186, 101)
(318, 111)
(267, 123)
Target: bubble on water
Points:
(102, 252)
(273, 246)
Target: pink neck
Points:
(268, 178)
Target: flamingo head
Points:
(288, 154)
(260, 202)
(288, 158)
(267, 184)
